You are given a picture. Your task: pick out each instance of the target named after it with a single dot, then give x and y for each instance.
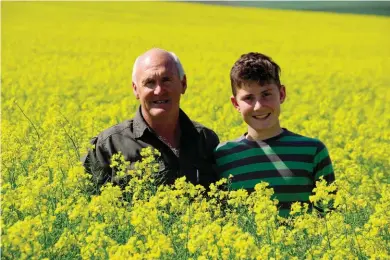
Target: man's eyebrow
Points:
(147, 80)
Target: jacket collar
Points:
(140, 125)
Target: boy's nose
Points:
(258, 105)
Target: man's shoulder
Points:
(199, 127)
(117, 129)
(208, 133)
(190, 125)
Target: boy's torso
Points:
(287, 162)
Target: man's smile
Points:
(157, 102)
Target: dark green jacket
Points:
(196, 160)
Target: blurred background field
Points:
(66, 75)
(351, 7)
(81, 54)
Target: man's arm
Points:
(212, 141)
(96, 163)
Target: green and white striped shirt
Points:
(289, 162)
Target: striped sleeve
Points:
(323, 164)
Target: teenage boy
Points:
(289, 162)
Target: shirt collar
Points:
(140, 125)
(271, 139)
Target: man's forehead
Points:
(154, 61)
(155, 71)
(156, 64)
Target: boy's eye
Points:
(248, 98)
(266, 94)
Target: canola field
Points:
(66, 76)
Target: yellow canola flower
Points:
(60, 89)
(155, 247)
(23, 237)
(96, 242)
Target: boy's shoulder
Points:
(229, 144)
(301, 139)
(286, 138)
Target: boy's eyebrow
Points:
(265, 88)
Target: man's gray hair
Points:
(179, 67)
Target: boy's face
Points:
(260, 106)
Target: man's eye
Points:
(149, 84)
(266, 94)
(166, 79)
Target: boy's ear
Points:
(282, 93)
(235, 103)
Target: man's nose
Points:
(158, 89)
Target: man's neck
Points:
(167, 128)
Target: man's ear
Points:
(282, 93)
(235, 103)
(135, 90)
(184, 84)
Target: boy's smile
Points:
(262, 116)
(260, 108)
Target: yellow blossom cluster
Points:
(66, 76)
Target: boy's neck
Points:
(254, 135)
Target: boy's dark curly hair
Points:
(254, 67)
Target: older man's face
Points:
(158, 86)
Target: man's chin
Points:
(164, 112)
(160, 113)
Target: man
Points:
(186, 147)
